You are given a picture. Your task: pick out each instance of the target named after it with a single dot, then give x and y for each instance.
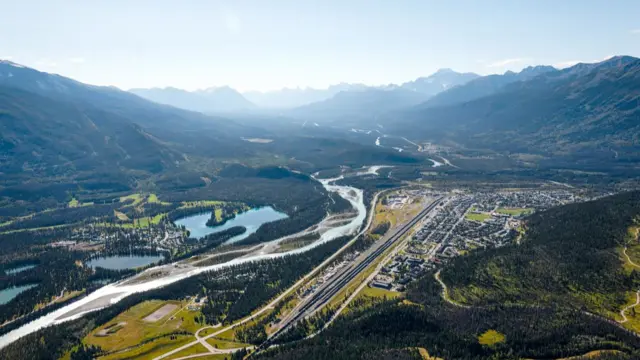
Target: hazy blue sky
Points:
(268, 44)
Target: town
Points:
(461, 223)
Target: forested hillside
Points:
(571, 256)
(587, 116)
(519, 301)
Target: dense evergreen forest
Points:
(246, 286)
(574, 244)
(571, 255)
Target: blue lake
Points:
(121, 262)
(18, 269)
(252, 219)
(7, 295)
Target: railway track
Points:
(334, 286)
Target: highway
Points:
(333, 286)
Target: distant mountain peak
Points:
(537, 68)
(444, 71)
(210, 100)
(11, 63)
(439, 81)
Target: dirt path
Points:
(445, 292)
(624, 251)
(624, 310)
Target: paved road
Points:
(329, 289)
(276, 300)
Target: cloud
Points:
(7, 57)
(506, 62)
(77, 60)
(635, 31)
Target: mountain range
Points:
(93, 137)
(227, 100)
(478, 87)
(585, 115)
(585, 112)
(212, 100)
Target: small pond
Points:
(121, 262)
(7, 295)
(252, 219)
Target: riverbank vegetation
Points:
(232, 293)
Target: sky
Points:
(270, 44)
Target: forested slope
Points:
(571, 256)
(533, 294)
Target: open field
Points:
(137, 328)
(137, 199)
(152, 349)
(209, 357)
(225, 344)
(477, 216)
(514, 211)
(394, 216)
(378, 293)
(195, 349)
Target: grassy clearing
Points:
(477, 216)
(211, 357)
(65, 296)
(218, 214)
(146, 221)
(75, 203)
(151, 349)
(230, 335)
(137, 199)
(136, 330)
(224, 344)
(153, 199)
(514, 211)
(379, 293)
(425, 355)
(120, 216)
(491, 337)
(192, 350)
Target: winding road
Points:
(271, 305)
